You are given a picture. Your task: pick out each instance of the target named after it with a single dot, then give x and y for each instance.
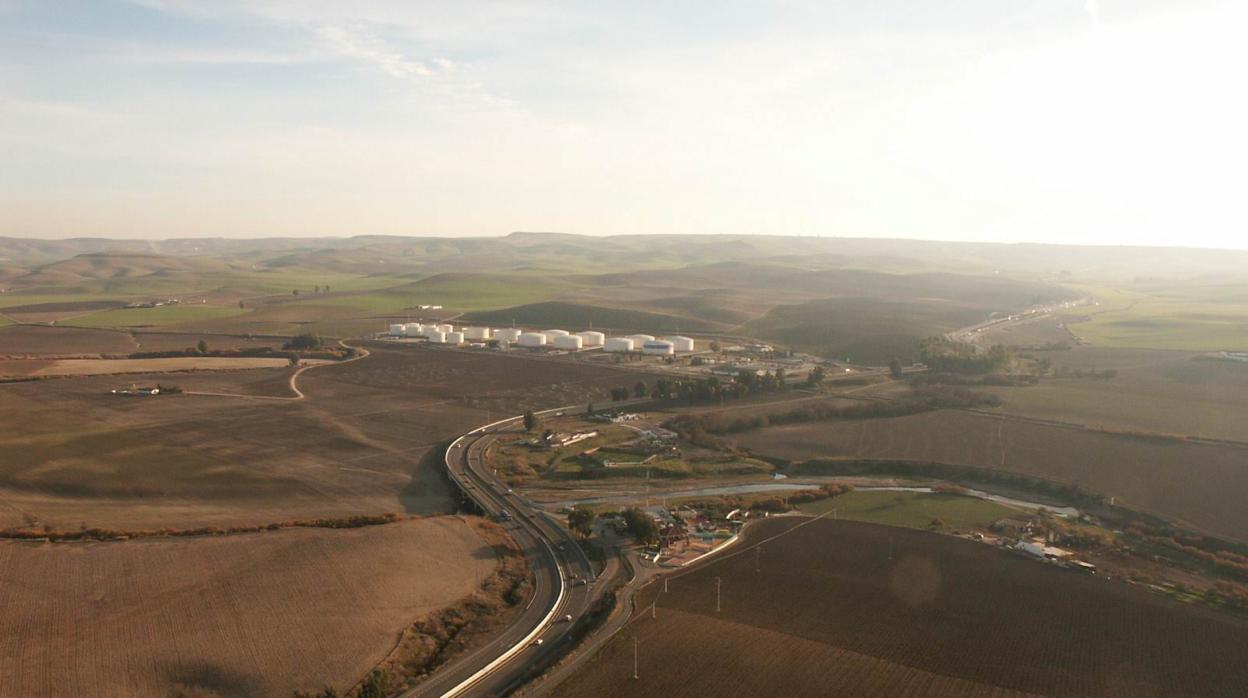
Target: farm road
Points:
(294, 379)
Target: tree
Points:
(714, 346)
(316, 289)
(589, 409)
(781, 382)
(377, 685)
(530, 421)
(306, 340)
(581, 520)
(241, 304)
(639, 390)
(894, 367)
(202, 347)
(815, 377)
(643, 528)
(293, 359)
(295, 292)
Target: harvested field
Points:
(1202, 484)
(21, 340)
(363, 441)
(830, 614)
(250, 615)
(39, 368)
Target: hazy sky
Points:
(1047, 120)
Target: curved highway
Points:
(559, 568)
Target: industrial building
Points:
(476, 333)
(531, 339)
(681, 343)
(591, 338)
(658, 347)
(567, 341)
(615, 344)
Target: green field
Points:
(912, 509)
(1183, 317)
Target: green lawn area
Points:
(165, 316)
(912, 509)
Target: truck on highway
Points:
(504, 515)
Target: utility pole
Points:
(717, 584)
(635, 674)
(653, 607)
(758, 554)
(890, 547)
(664, 585)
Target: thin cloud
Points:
(369, 49)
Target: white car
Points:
(538, 642)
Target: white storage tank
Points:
(397, 330)
(454, 337)
(681, 343)
(446, 328)
(591, 338)
(658, 347)
(436, 337)
(507, 334)
(568, 341)
(476, 333)
(618, 344)
(641, 339)
(531, 339)
(548, 333)
(413, 329)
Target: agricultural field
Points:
(245, 615)
(363, 441)
(1163, 392)
(43, 368)
(1203, 485)
(833, 615)
(911, 509)
(25, 340)
(1177, 316)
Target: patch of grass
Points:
(477, 292)
(912, 509)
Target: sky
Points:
(1071, 121)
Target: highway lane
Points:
(555, 559)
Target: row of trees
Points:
(747, 382)
(944, 355)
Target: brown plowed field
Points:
(20, 340)
(830, 614)
(361, 442)
(1204, 485)
(250, 615)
